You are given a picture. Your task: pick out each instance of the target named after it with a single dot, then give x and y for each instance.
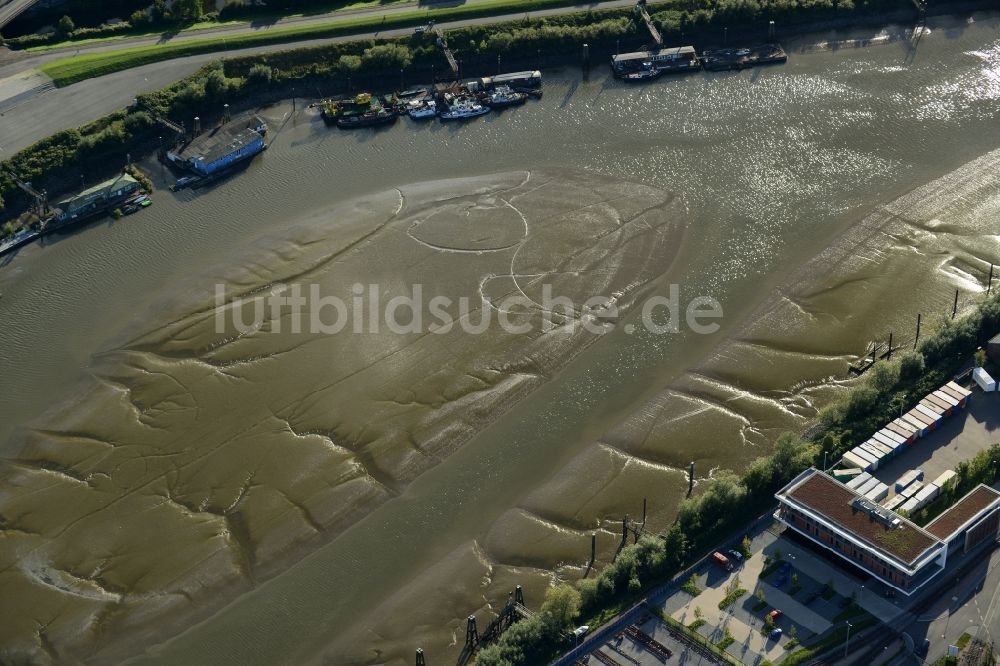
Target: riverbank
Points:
(114, 275)
(732, 500)
(56, 162)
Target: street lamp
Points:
(847, 639)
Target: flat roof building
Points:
(893, 549)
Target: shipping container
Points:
(856, 461)
(867, 486)
(912, 489)
(909, 506)
(908, 478)
(984, 380)
(894, 502)
(884, 444)
(856, 482)
(879, 454)
(878, 493)
(926, 495)
(946, 479)
(845, 474)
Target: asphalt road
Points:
(31, 109)
(9, 10)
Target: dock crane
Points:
(41, 199)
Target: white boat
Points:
(464, 110)
(422, 109)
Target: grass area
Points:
(66, 71)
(696, 624)
(836, 637)
(726, 641)
(963, 640)
(162, 31)
(731, 598)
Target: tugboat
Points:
(422, 109)
(369, 119)
(463, 109)
(504, 96)
(364, 110)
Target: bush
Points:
(261, 74)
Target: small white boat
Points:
(422, 109)
(464, 110)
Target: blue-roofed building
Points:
(221, 147)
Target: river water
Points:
(346, 499)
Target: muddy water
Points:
(159, 467)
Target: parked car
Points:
(736, 556)
(581, 631)
(721, 561)
(924, 647)
(775, 635)
(775, 614)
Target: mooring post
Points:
(644, 511)
(624, 530)
(519, 595)
(690, 478)
(954, 310)
(725, 36)
(471, 632)
(420, 657)
(917, 338)
(593, 547)
(586, 56)
(888, 354)
(989, 282)
(770, 30)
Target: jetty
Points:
(442, 43)
(513, 611)
(640, 8)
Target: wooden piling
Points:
(420, 657)
(989, 282)
(593, 548)
(586, 56)
(690, 478)
(643, 511)
(916, 338)
(888, 354)
(954, 310)
(770, 30)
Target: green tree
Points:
(746, 546)
(188, 10)
(760, 595)
(561, 606)
(65, 26)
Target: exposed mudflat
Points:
(213, 445)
